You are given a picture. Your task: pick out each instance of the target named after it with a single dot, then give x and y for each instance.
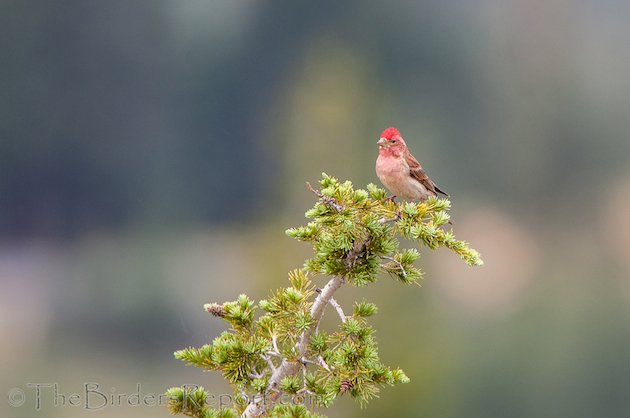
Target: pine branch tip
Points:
(215, 309)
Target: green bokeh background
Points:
(152, 153)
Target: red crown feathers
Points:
(389, 133)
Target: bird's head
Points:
(391, 143)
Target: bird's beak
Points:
(382, 143)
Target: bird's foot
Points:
(391, 198)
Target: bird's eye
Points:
(393, 141)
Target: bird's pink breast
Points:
(394, 174)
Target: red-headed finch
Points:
(400, 172)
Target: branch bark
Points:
(259, 407)
(339, 310)
(288, 368)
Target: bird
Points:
(400, 172)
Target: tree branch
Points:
(275, 343)
(339, 310)
(269, 362)
(288, 368)
(350, 232)
(402, 268)
(326, 199)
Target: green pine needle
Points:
(355, 234)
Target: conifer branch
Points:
(256, 409)
(322, 363)
(272, 366)
(274, 341)
(355, 235)
(317, 311)
(398, 263)
(339, 310)
(326, 199)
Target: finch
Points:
(400, 172)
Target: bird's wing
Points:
(416, 171)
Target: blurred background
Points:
(152, 153)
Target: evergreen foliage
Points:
(280, 363)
